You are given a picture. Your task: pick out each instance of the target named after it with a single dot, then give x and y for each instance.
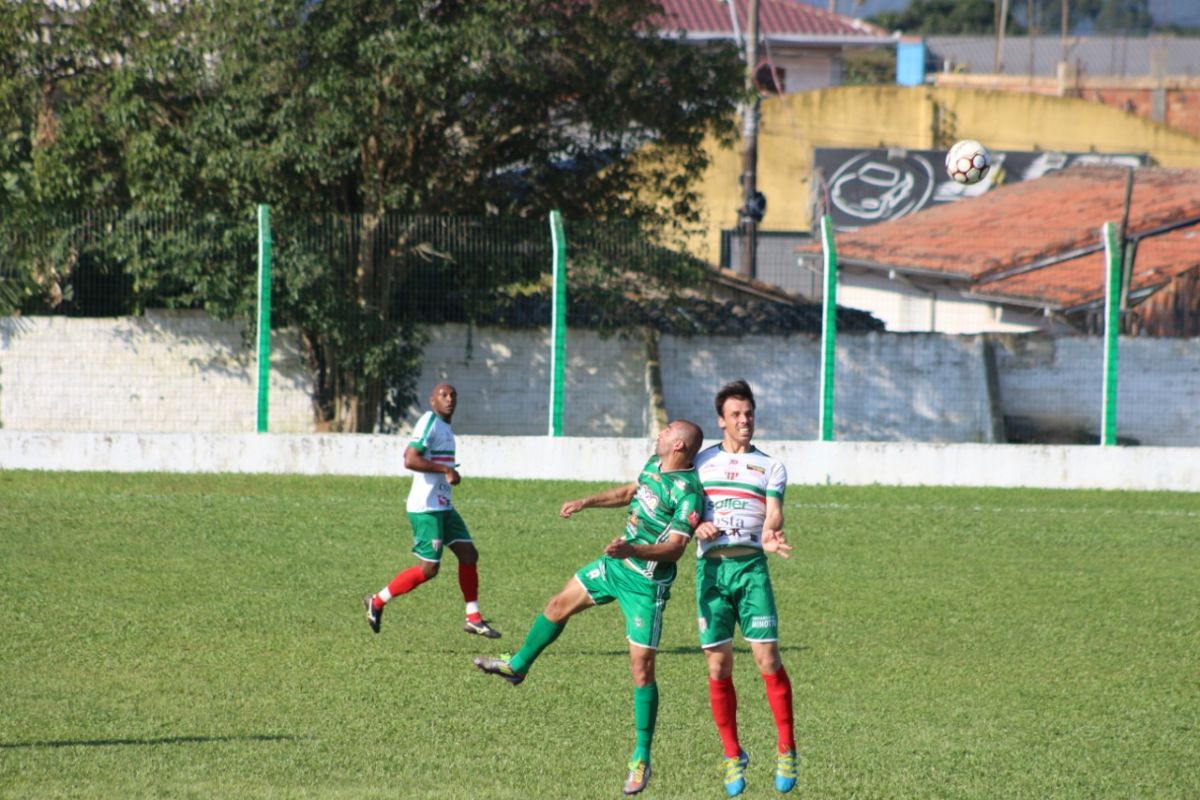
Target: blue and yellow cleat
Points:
(786, 769)
(735, 774)
(638, 777)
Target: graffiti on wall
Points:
(868, 186)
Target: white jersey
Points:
(736, 488)
(433, 438)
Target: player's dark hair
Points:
(739, 390)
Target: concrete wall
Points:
(176, 371)
(1056, 383)
(610, 460)
(184, 373)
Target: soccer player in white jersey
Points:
(430, 456)
(743, 521)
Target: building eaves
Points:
(1039, 242)
(775, 17)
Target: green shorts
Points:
(642, 601)
(433, 530)
(733, 591)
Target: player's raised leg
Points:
(546, 628)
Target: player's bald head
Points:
(690, 434)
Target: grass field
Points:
(175, 636)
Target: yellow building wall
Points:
(920, 118)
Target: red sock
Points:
(405, 582)
(468, 581)
(723, 699)
(779, 696)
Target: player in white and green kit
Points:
(430, 456)
(636, 571)
(743, 520)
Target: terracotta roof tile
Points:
(775, 18)
(1080, 280)
(986, 238)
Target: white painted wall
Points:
(610, 459)
(905, 308)
(1058, 382)
(185, 373)
(503, 381)
(174, 371)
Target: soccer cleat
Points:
(482, 628)
(786, 769)
(374, 615)
(500, 666)
(638, 777)
(735, 774)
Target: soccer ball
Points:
(968, 161)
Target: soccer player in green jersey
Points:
(636, 571)
(743, 520)
(436, 525)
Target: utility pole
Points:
(1001, 23)
(751, 211)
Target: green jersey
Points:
(665, 503)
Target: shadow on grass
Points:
(136, 742)
(690, 650)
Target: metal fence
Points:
(145, 322)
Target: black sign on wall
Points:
(865, 186)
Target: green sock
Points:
(538, 639)
(645, 713)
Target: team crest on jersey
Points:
(648, 499)
(703, 623)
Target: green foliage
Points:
(1109, 17)
(183, 636)
(944, 17)
(205, 108)
(870, 67)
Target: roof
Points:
(778, 20)
(1040, 241)
(1122, 56)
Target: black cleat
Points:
(482, 629)
(374, 615)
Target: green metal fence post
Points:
(828, 329)
(558, 324)
(1113, 260)
(264, 314)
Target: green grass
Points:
(174, 636)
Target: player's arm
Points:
(612, 498)
(773, 538)
(415, 460)
(668, 551)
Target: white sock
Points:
(472, 608)
(384, 595)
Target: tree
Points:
(1124, 17)
(943, 17)
(356, 108)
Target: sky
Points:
(1182, 12)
